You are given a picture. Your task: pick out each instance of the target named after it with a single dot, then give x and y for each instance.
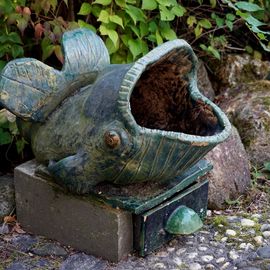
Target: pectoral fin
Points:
(69, 172)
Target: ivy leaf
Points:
(135, 47)
(109, 32)
(153, 26)
(191, 20)
(103, 16)
(205, 23)
(214, 51)
(149, 4)
(17, 51)
(85, 9)
(87, 25)
(135, 30)
(178, 10)
(247, 6)
(116, 19)
(103, 2)
(14, 38)
(22, 24)
(165, 14)
(135, 14)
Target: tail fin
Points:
(32, 90)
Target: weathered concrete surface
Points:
(248, 107)
(230, 176)
(46, 209)
(7, 200)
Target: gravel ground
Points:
(230, 239)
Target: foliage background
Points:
(129, 28)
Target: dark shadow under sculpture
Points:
(94, 121)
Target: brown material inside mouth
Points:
(160, 99)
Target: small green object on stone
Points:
(183, 220)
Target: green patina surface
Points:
(80, 123)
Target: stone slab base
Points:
(45, 208)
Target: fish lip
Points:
(133, 75)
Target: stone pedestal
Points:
(45, 208)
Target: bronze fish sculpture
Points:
(124, 123)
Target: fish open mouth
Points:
(162, 95)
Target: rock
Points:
(24, 242)
(4, 228)
(220, 260)
(195, 266)
(248, 107)
(245, 222)
(230, 176)
(49, 249)
(207, 258)
(264, 252)
(82, 261)
(192, 255)
(266, 234)
(258, 239)
(203, 81)
(237, 69)
(7, 197)
(18, 266)
(230, 232)
(265, 227)
(233, 255)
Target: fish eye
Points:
(112, 139)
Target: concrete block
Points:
(45, 208)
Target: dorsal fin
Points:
(32, 90)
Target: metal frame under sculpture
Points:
(124, 123)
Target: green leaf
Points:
(191, 20)
(198, 30)
(135, 47)
(219, 21)
(214, 51)
(205, 23)
(2, 64)
(166, 14)
(47, 48)
(121, 3)
(87, 25)
(109, 32)
(135, 30)
(230, 16)
(135, 14)
(153, 26)
(20, 144)
(144, 30)
(110, 46)
(103, 16)
(253, 21)
(178, 10)
(116, 19)
(149, 4)
(22, 24)
(85, 9)
(13, 129)
(17, 51)
(14, 37)
(229, 24)
(125, 38)
(167, 32)
(247, 6)
(103, 2)
(213, 3)
(5, 137)
(159, 38)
